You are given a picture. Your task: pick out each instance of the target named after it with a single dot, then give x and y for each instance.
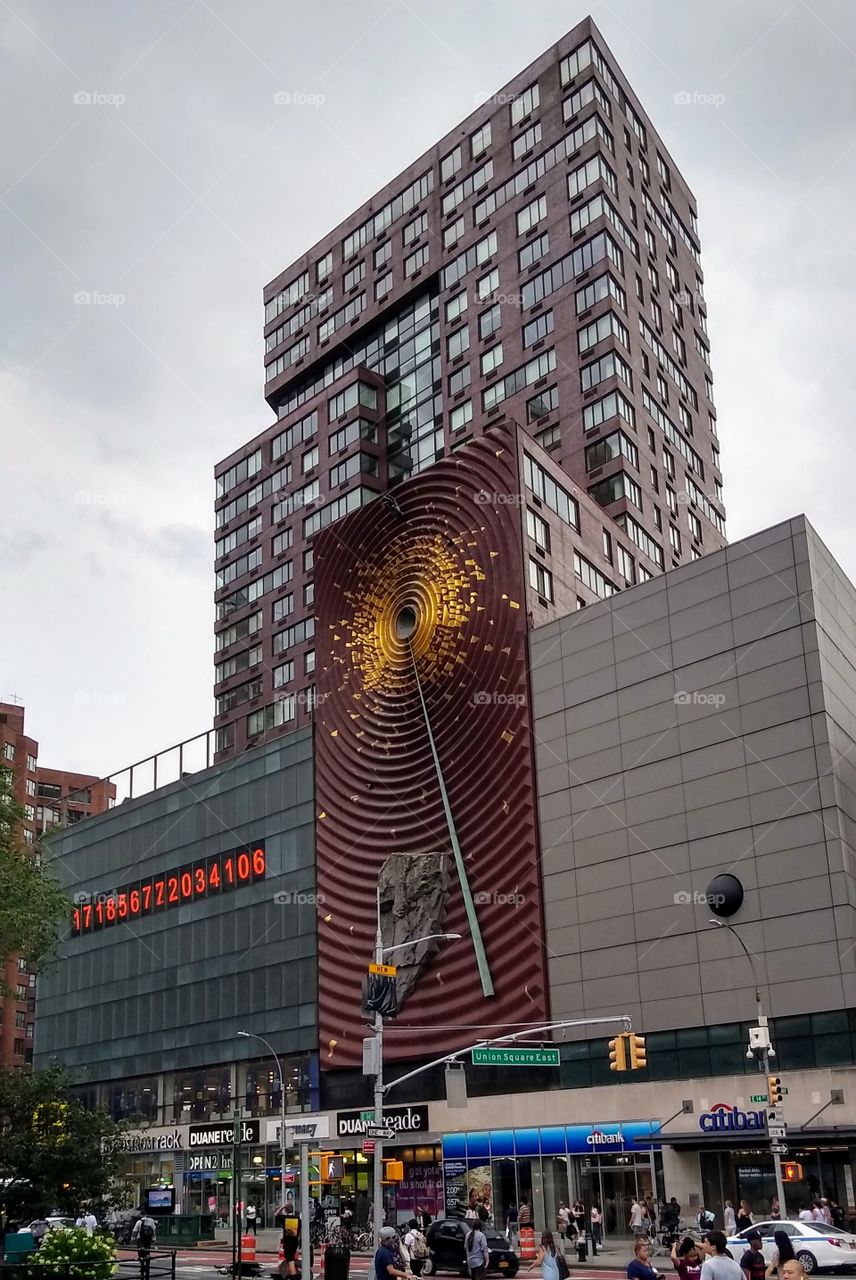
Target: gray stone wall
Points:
(702, 722)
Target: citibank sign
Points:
(723, 1118)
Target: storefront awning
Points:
(723, 1139)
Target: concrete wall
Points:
(695, 724)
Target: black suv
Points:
(446, 1250)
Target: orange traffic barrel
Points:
(527, 1244)
(248, 1248)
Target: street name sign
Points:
(515, 1057)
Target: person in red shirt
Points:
(686, 1259)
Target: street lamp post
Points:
(249, 1035)
(377, 1063)
(759, 1045)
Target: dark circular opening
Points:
(405, 622)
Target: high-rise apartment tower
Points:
(541, 262)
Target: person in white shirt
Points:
(636, 1217)
(729, 1219)
(805, 1214)
(817, 1214)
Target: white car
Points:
(55, 1222)
(819, 1247)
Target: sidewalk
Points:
(614, 1255)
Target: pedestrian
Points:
(563, 1222)
(837, 1214)
(639, 1266)
(719, 1265)
(775, 1209)
(550, 1262)
(511, 1225)
(817, 1211)
(637, 1218)
(416, 1246)
(524, 1213)
(793, 1270)
(290, 1246)
(826, 1211)
(706, 1220)
(387, 1261)
(578, 1216)
(670, 1218)
(478, 1254)
(90, 1222)
(744, 1216)
(597, 1224)
(729, 1219)
(251, 1218)
(423, 1217)
(686, 1259)
(783, 1252)
(144, 1236)
(753, 1263)
(651, 1210)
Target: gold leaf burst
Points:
(431, 573)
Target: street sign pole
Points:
(305, 1246)
(377, 1182)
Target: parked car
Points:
(445, 1239)
(819, 1247)
(54, 1222)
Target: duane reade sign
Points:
(352, 1124)
(221, 1135)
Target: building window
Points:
(414, 229)
(31, 787)
(547, 401)
(309, 594)
(357, 393)
(538, 328)
(283, 674)
(489, 321)
(531, 215)
(695, 525)
(459, 380)
(352, 278)
(615, 445)
(461, 415)
(453, 233)
(309, 662)
(526, 141)
(382, 255)
(550, 493)
(324, 268)
(383, 286)
(491, 360)
(416, 261)
(8, 751)
(538, 529)
(614, 488)
(487, 285)
(450, 164)
(458, 342)
(480, 141)
(541, 579)
(271, 717)
(533, 252)
(525, 103)
(456, 307)
(675, 539)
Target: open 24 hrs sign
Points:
(219, 873)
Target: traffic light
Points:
(332, 1168)
(774, 1090)
(394, 1170)
(638, 1052)
(618, 1054)
(792, 1172)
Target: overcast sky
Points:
(180, 188)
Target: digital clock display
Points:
(220, 873)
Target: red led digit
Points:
(160, 886)
(75, 927)
(259, 863)
(214, 875)
(134, 901)
(199, 879)
(229, 869)
(243, 866)
(147, 898)
(172, 886)
(110, 910)
(99, 911)
(87, 916)
(123, 906)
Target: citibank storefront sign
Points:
(570, 1139)
(723, 1118)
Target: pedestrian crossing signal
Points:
(618, 1054)
(792, 1172)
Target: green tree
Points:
(54, 1152)
(33, 905)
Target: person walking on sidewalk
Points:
(550, 1260)
(597, 1225)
